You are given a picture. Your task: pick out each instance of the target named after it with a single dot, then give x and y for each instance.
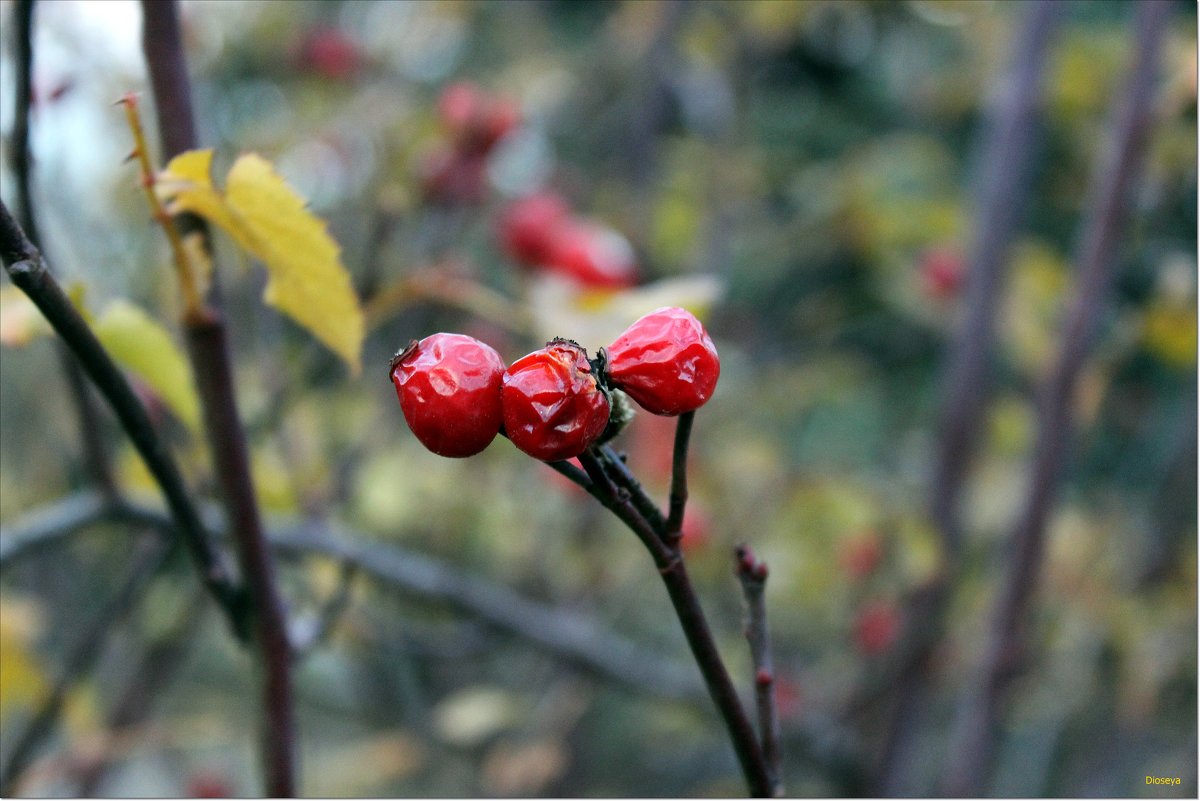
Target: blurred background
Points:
(803, 175)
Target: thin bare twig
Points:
(1102, 229)
(79, 661)
(208, 349)
(752, 575)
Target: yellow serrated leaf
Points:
(268, 220)
(186, 185)
(141, 345)
(306, 278)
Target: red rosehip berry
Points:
(528, 226)
(553, 405)
(666, 362)
(449, 390)
(591, 254)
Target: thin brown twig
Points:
(1102, 229)
(208, 349)
(752, 575)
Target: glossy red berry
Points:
(529, 225)
(553, 405)
(449, 390)
(666, 362)
(591, 254)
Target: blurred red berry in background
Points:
(861, 554)
(529, 224)
(330, 53)
(876, 626)
(592, 254)
(942, 272)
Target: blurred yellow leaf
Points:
(22, 679)
(1169, 332)
(363, 767)
(267, 219)
(141, 345)
(20, 320)
(272, 481)
(470, 716)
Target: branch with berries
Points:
(563, 408)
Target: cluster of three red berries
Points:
(456, 393)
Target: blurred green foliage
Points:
(816, 158)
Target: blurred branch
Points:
(208, 348)
(577, 639)
(1102, 229)
(308, 635)
(79, 660)
(147, 680)
(752, 575)
(95, 456)
(28, 271)
(1003, 171)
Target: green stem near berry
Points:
(679, 490)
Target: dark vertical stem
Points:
(79, 661)
(209, 351)
(1106, 213)
(1002, 180)
(679, 489)
(95, 456)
